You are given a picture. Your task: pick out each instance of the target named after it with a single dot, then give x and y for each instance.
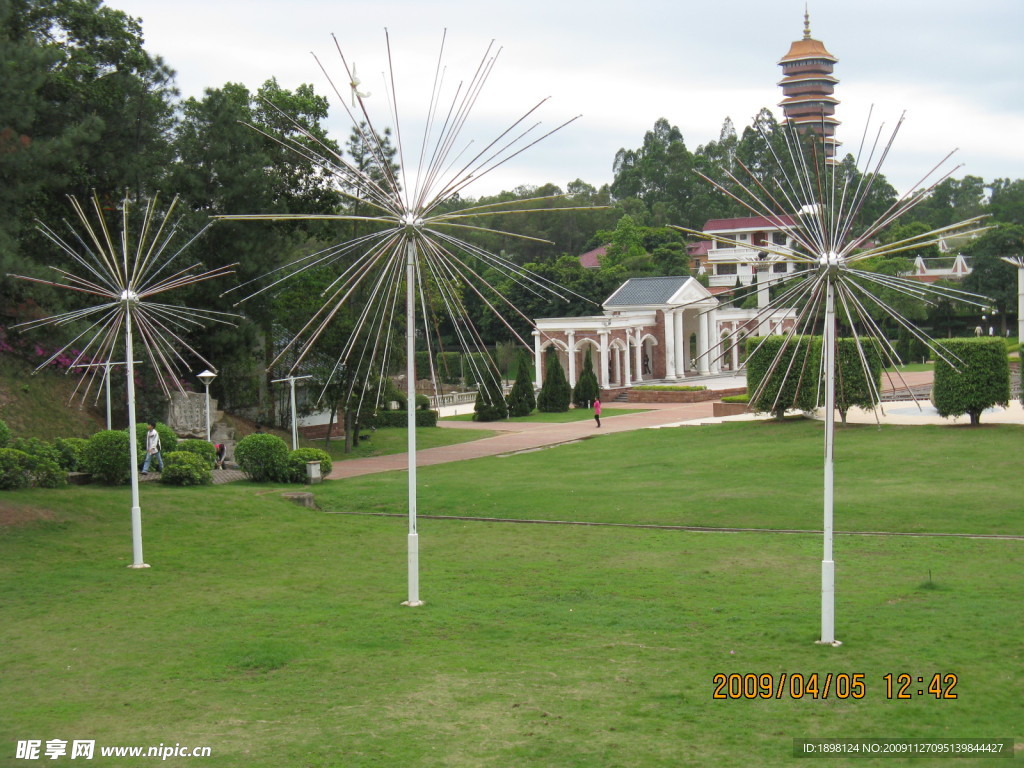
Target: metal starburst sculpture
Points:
(123, 271)
(819, 205)
(418, 233)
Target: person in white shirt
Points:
(152, 449)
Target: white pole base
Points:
(414, 572)
(828, 579)
(139, 565)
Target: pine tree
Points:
(586, 390)
(555, 394)
(521, 400)
(490, 403)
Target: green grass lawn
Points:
(573, 414)
(274, 635)
(388, 440)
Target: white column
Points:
(571, 338)
(1020, 304)
(761, 276)
(638, 355)
(670, 345)
(617, 366)
(677, 332)
(702, 345)
(735, 352)
(628, 380)
(686, 345)
(602, 376)
(537, 375)
(714, 363)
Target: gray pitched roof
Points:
(645, 291)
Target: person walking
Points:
(152, 449)
(597, 411)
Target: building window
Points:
(779, 266)
(725, 269)
(779, 238)
(722, 244)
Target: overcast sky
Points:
(955, 67)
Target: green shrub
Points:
(264, 458)
(400, 419)
(46, 473)
(980, 380)
(422, 402)
(72, 453)
(14, 469)
(186, 468)
(5, 434)
(206, 451)
(33, 446)
(168, 440)
(794, 367)
(392, 394)
(107, 457)
(298, 459)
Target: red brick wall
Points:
(679, 396)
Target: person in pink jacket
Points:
(597, 411)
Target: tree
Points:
(521, 400)
(587, 389)
(979, 380)
(555, 394)
(83, 108)
(224, 166)
(990, 275)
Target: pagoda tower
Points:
(808, 86)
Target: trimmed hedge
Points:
(204, 450)
(263, 458)
(736, 399)
(298, 459)
(186, 468)
(449, 367)
(5, 434)
(851, 385)
(980, 380)
(794, 380)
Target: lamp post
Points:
(206, 377)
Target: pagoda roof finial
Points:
(807, 23)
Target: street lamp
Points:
(206, 377)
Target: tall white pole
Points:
(133, 443)
(295, 421)
(106, 371)
(410, 408)
(207, 411)
(828, 566)
(1020, 302)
